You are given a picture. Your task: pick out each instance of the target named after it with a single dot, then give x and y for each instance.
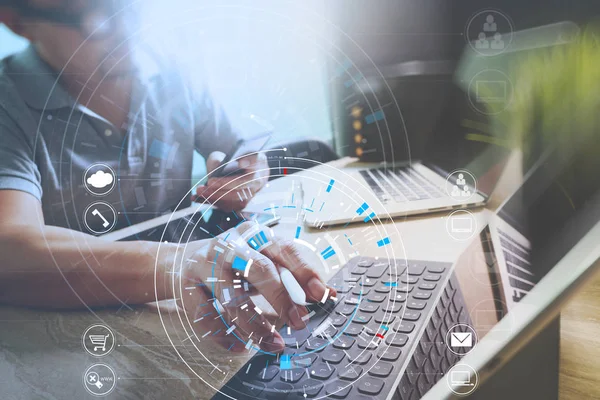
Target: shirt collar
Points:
(37, 83)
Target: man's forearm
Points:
(59, 268)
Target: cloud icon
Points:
(100, 179)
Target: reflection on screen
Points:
(540, 223)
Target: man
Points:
(75, 98)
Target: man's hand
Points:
(225, 278)
(234, 192)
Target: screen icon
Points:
(462, 379)
(461, 225)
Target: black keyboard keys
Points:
(370, 386)
(381, 370)
(338, 389)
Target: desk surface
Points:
(42, 355)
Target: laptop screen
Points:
(557, 205)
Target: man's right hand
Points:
(226, 258)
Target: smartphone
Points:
(230, 166)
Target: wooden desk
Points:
(42, 356)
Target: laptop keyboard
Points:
(400, 184)
(517, 256)
(356, 347)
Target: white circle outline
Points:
(474, 334)
(470, 93)
(112, 186)
(460, 171)
(105, 204)
(102, 326)
(475, 228)
(472, 388)
(85, 384)
(477, 14)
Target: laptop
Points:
(444, 180)
(411, 329)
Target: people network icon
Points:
(494, 41)
(460, 183)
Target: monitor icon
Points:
(461, 224)
(491, 91)
(460, 378)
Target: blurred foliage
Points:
(556, 102)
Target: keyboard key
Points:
(291, 375)
(311, 388)
(411, 316)
(376, 272)
(385, 319)
(436, 270)
(333, 356)
(404, 327)
(280, 390)
(367, 344)
(350, 373)
(345, 309)
(352, 300)
(382, 289)
(397, 340)
(370, 386)
(409, 279)
(427, 286)
(381, 370)
(376, 298)
(368, 282)
(361, 291)
(316, 344)
(352, 279)
(362, 318)
(421, 295)
(431, 277)
(416, 270)
(369, 307)
(360, 358)
(304, 361)
(343, 342)
(358, 271)
(267, 374)
(390, 354)
(322, 371)
(338, 320)
(338, 390)
(400, 296)
(416, 305)
(353, 329)
(392, 307)
(365, 263)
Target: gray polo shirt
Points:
(48, 141)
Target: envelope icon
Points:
(461, 339)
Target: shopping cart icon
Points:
(99, 341)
